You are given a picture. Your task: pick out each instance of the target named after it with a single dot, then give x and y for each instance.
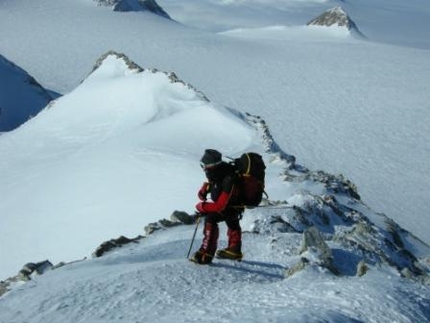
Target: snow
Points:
(121, 150)
(152, 281)
(335, 102)
(118, 132)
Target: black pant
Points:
(231, 219)
(211, 231)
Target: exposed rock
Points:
(334, 16)
(377, 246)
(362, 268)
(161, 224)
(335, 183)
(152, 6)
(134, 5)
(152, 227)
(132, 66)
(38, 268)
(394, 229)
(27, 273)
(315, 252)
(271, 224)
(113, 244)
(25, 102)
(338, 212)
(3, 288)
(314, 242)
(183, 217)
(302, 264)
(270, 144)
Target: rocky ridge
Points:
(332, 230)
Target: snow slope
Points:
(151, 281)
(393, 22)
(122, 149)
(343, 105)
(333, 101)
(118, 152)
(117, 167)
(21, 97)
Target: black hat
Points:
(211, 158)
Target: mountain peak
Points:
(114, 64)
(334, 16)
(119, 60)
(134, 5)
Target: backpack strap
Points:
(248, 169)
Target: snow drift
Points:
(105, 158)
(125, 128)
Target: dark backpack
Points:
(250, 169)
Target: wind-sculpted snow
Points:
(150, 279)
(126, 140)
(332, 99)
(313, 250)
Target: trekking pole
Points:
(194, 235)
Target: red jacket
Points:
(223, 195)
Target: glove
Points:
(201, 207)
(203, 191)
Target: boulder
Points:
(362, 268)
(113, 244)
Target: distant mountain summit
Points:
(335, 16)
(134, 5)
(21, 96)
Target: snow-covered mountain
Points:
(120, 149)
(340, 104)
(113, 154)
(313, 227)
(21, 97)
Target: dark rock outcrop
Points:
(27, 272)
(113, 244)
(335, 16)
(134, 5)
(21, 96)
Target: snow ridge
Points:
(132, 67)
(319, 232)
